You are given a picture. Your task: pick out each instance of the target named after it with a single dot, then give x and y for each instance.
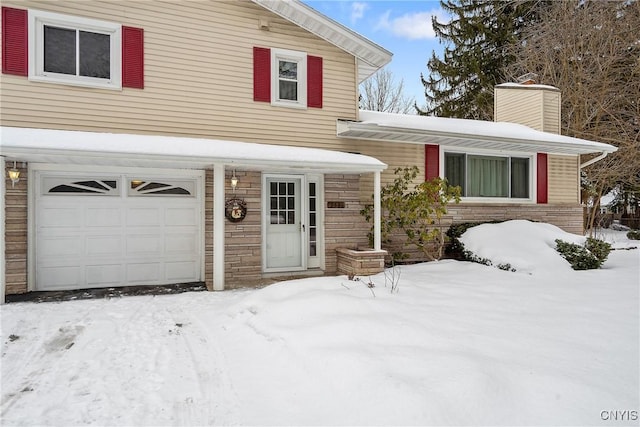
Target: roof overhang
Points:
(370, 56)
(465, 134)
(94, 148)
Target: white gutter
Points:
(594, 160)
(95, 148)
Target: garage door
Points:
(104, 230)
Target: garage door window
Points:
(59, 185)
(142, 187)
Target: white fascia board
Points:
(58, 146)
(370, 55)
(403, 128)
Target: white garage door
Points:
(104, 230)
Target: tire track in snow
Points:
(52, 345)
(218, 402)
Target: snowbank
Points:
(527, 246)
(459, 344)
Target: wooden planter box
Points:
(360, 262)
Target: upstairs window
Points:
(73, 50)
(489, 176)
(289, 71)
(287, 78)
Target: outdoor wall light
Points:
(14, 175)
(234, 181)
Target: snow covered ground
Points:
(459, 344)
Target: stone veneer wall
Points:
(243, 240)
(344, 227)
(16, 232)
(243, 255)
(565, 216)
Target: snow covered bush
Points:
(455, 249)
(590, 256)
(633, 235)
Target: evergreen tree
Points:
(476, 40)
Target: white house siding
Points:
(198, 75)
(563, 179)
(198, 78)
(395, 156)
(537, 108)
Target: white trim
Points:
(36, 170)
(31, 228)
(369, 55)
(129, 150)
(462, 133)
(300, 58)
(218, 227)
(36, 23)
(377, 213)
(3, 194)
(266, 220)
(318, 180)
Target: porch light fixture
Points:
(14, 175)
(234, 181)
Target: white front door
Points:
(284, 225)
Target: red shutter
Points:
(133, 57)
(14, 41)
(431, 161)
(261, 74)
(314, 81)
(542, 184)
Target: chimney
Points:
(528, 103)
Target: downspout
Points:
(594, 160)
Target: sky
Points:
(402, 27)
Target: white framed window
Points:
(158, 187)
(72, 50)
(54, 185)
(289, 78)
(484, 176)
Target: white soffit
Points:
(371, 56)
(94, 148)
(463, 133)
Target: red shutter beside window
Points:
(431, 161)
(314, 81)
(542, 183)
(133, 57)
(14, 41)
(261, 74)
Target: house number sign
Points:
(235, 210)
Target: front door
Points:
(285, 229)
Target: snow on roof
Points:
(464, 132)
(527, 86)
(143, 150)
